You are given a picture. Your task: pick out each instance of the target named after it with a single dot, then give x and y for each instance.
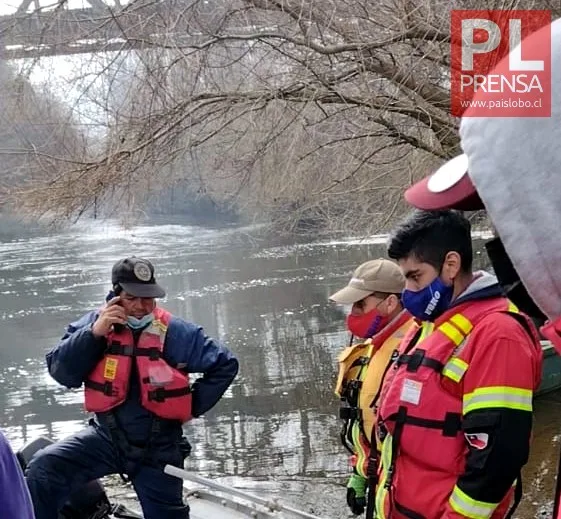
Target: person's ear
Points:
(451, 267)
(392, 303)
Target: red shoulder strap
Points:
(162, 315)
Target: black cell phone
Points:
(114, 292)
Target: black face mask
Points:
(510, 281)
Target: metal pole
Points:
(272, 505)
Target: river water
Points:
(276, 430)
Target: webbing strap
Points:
(104, 387)
(417, 359)
(160, 394)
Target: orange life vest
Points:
(165, 391)
(424, 448)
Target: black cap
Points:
(136, 277)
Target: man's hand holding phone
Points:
(113, 313)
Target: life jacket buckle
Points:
(349, 413)
(372, 467)
(108, 388)
(452, 424)
(415, 361)
(127, 351)
(157, 395)
(363, 361)
(382, 431)
(389, 479)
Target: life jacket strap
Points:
(417, 359)
(450, 426)
(372, 476)
(130, 456)
(105, 387)
(407, 512)
(346, 437)
(117, 348)
(152, 353)
(160, 394)
(351, 391)
(360, 361)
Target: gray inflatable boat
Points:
(212, 500)
(207, 499)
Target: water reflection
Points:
(266, 299)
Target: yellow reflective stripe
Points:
(498, 396)
(356, 431)
(455, 369)
(426, 329)
(462, 323)
(468, 507)
(452, 333)
(512, 307)
(381, 492)
(359, 449)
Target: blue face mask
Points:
(429, 302)
(136, 324)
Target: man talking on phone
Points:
(133, 359)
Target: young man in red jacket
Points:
(510, 168)
(456, 412)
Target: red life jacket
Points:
(165, 391)
(422, 437)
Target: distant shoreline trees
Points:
(308, 115)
